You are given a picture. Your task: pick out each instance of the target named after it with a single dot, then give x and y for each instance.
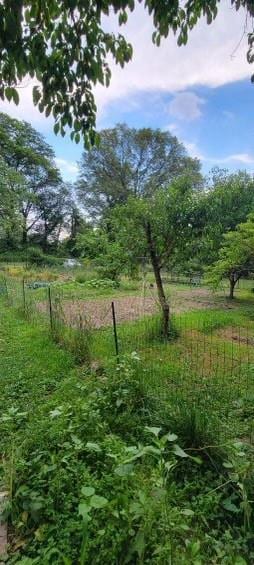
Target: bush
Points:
(35, 256)
(102, 283)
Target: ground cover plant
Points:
(144, 461)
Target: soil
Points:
(240, 335)
(130, 308)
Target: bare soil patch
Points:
(239, 335)
(130, 308)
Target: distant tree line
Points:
(36, 206)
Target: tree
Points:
(154, 228)
(51, 204)
(11, 189)
(64, 45)
(26, 152)
(226, 202)
(131, 162)
(236, 256)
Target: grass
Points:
(91, 475)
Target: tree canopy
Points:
(131, 162)
(12, 186)
(26, 152)
(64, 45)
(236, 256)
(225, 201)
(33, 195)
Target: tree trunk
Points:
(232, 283)
(157, 273)
(24, 235)
(45, 239)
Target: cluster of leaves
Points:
(65, 47)
(95, 475)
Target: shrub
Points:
(101, 283)
(35, 256)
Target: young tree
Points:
(236, 256)
(155, 228)
(27, 153)
(226, 202)
(65, 45)
(131, 162)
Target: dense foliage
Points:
(99, 472)
(65, 45)
(236, 256)
(131, 162)
(35, 203)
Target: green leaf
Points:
(91, 446)
(88, 491)
(170, 437)
(15, 96)
(83, 510)
(153, 430)
(230, 506)
(124, 470)
(8, 93)
(56, 128)
(187, 512)
(179, 452)
(98, 501)
(195, 547)
(56, 412)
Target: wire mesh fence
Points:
(207, 361)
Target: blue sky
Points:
(201, 93)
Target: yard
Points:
(169, 423)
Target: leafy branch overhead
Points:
(63, 46)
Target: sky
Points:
(201, 92)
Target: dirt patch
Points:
(98, 313)
(130, 308)
(197, 299)
(239, 335)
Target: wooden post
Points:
(115, 329)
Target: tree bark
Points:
(24, 235)
(232, 283)
(157, 273)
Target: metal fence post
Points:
(6, 288)
(24, 294)
(50, 308)
(115, 329)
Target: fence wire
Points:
(208, 360)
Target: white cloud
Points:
(186, 106)
(26, 109)
(206, 59)
(193, 150)
(241, 158)
(67, 167)
(172, 128)
(244, 158)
